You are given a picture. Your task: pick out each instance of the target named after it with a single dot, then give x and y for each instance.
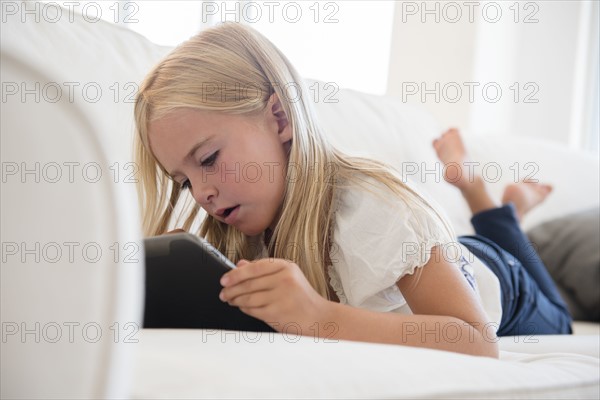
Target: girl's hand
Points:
(275, 291)
(175, 231)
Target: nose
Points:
(203, 192)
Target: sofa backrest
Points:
(72, 261)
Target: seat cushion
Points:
(225, 364)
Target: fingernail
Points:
(221, 296)
(224, 280)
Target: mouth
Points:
(225, 212)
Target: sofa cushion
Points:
(203, 363)
(569, 248)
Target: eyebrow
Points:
(191, 152)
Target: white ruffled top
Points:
(378, 238)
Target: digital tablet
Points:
(182, 286)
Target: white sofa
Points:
(70, 317)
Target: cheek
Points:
(252, 173)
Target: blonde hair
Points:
(247, 69)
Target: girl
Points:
(341, 247)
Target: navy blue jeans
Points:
(531, 304)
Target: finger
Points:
(175, 231)
(253, 300)
(267, 313)
(261, 313)
(254, 269)
(261, 283)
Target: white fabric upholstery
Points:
(64, 225)
(401, 134)
(225, 364)
(181, 363)
(588, 344)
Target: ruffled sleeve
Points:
(377, 239)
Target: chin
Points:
(251, 231)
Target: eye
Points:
(186, 184)
(210, 160)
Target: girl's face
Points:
(234, 165)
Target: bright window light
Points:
(167, 23)
(343, 42)
(346, 43)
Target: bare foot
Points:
(451, 151)
(525, 196)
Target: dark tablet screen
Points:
(182, 286)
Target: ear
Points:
(284, 129)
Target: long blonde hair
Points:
(232, 68)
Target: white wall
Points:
(541, 58)
(542, 51)
(430, 52)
